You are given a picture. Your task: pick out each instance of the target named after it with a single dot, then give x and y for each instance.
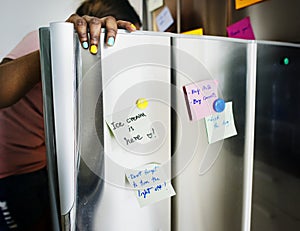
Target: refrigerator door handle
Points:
(63, 80)
(249, 135)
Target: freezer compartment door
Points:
(208, 157)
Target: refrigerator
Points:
(202, 116)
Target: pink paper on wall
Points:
(241, 29)
(200, 97)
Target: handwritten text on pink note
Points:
(241, 29)
(200, 97)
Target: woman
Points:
(24, 199)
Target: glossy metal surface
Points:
(276, 201)
(209, 177)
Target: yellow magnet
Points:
(142, 103)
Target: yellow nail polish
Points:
(94, 49)
(133, 26)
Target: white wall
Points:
(18, 17)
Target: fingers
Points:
(80, 25)
(92, 25)
(111, 26)
(126, 25)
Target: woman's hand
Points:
(92, 25)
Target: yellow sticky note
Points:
(243, 3)
(198, 31)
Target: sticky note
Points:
(241, 29)
(220, 125)
(198, 31)
(132, 127)
(200, 97)
(243, 3)
(154, 4)
(164, 19)
(149, 183)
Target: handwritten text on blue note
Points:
(220, 125)
(164, 19)
(149, 183)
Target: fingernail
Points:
(133, 26)
(85, 45)
(94, 49)
(110, 41)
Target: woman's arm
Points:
(17, 77)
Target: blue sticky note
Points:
(220, 125)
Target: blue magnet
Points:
(219, 105)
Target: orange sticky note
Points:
(243, 3)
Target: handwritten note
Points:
(220, 125)
(200, 97)
(132, 127)
(164, 19)
(149, 183)
(241, 29)
(243, 3)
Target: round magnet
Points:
(219, 105)
(142, 103)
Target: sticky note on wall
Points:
(241, 29)
(198, 31)
(221, 125)
(164, 19)
(200, 97)
(149, 183)
(243, 3)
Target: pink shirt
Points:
(22, 141)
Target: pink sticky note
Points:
(200, 97)
(241, 29)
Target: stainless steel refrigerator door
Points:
(87, 165)
(276, 203)
(137, 66)
(213, 181)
